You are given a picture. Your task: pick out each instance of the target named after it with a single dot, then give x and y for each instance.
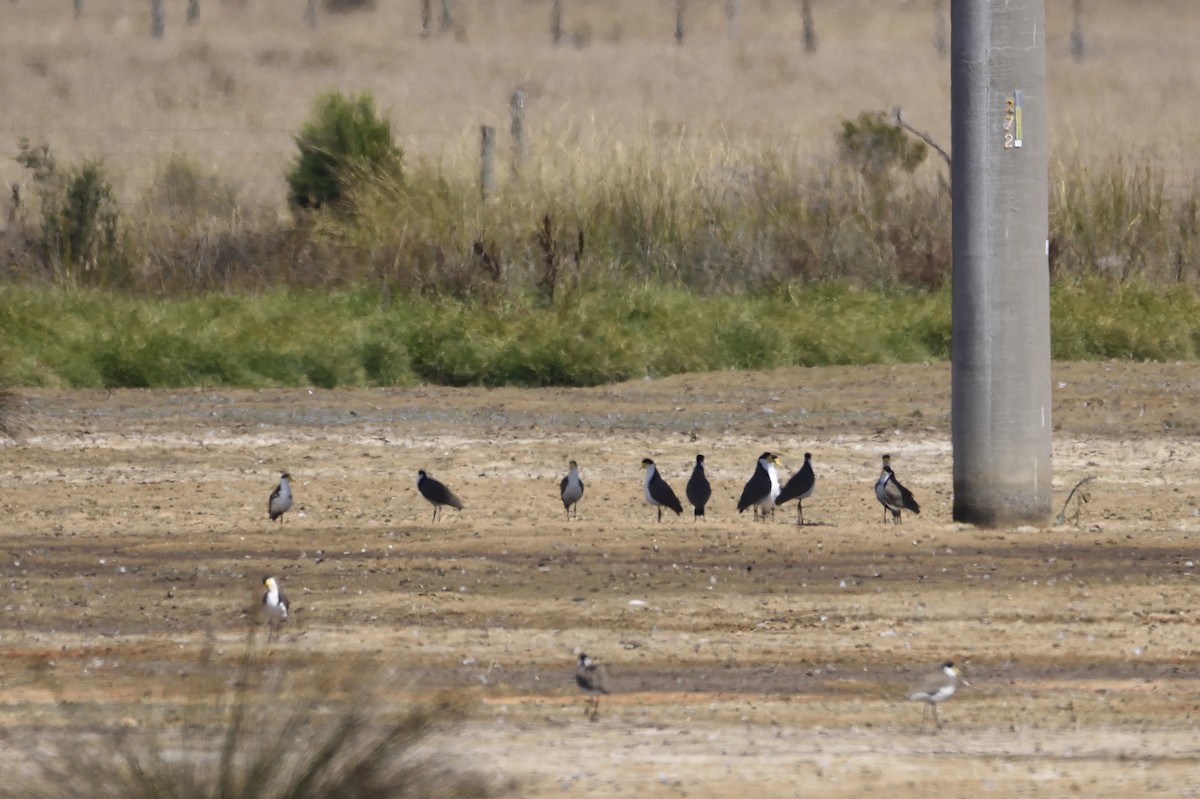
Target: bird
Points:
(698, 490)
(656, 490)
(893, 496)
(571, 489)
(593, 681)
(799, 487)
(275, 603)
(937, 687)
(763, 486)
(281, 498)
(436, 493)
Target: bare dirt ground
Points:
(768, 657)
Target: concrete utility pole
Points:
(1000, 411)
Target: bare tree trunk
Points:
(556, 21)
(158, 22)
(810, 32)
(733, 11)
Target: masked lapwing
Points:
(571, 489)
(593, 681)
(936, 688)
(436, 493)
(657, 492)
(893, 496)
(281, 498)
(698, 490)
(799, 487)
(274, 602)
(762, 488)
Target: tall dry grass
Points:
(230, 91)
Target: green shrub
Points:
(79, 240)
(343, 141)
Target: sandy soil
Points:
(768, 656)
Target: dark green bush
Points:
(343, 141)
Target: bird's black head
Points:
(766, 456)
(584, 660)
(700, 459)
(808, 456)
(421, 473)
(948, 664)
(286, 476)
(647, 462)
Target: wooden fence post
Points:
(556, 21)
(941, 30)
(193, 12)
(426, 18)
(517, 108)
(158, 22)
(680, 8)
(1077, 43)
(810, 33)
(487, 161)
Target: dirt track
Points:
(743, 655)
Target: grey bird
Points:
(571, 489)
(762, 488)
(656, 490)
(698, 490)
(593, 681)
(281, 498)
(935, 689)
(436, 493)
(799, 487)
(892, 495)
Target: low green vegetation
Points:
(90, 338)
(648, 263)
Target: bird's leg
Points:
(937, 725)
(660, 513)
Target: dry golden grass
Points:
(230, 91)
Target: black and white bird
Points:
(893, 496)
(936, 688)
(571, 489)
(274, 602)
(656, 490)
(799, 487)
(762, 488)
(698, 490)
(281, 498)
(593, 681)
(436, 493)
